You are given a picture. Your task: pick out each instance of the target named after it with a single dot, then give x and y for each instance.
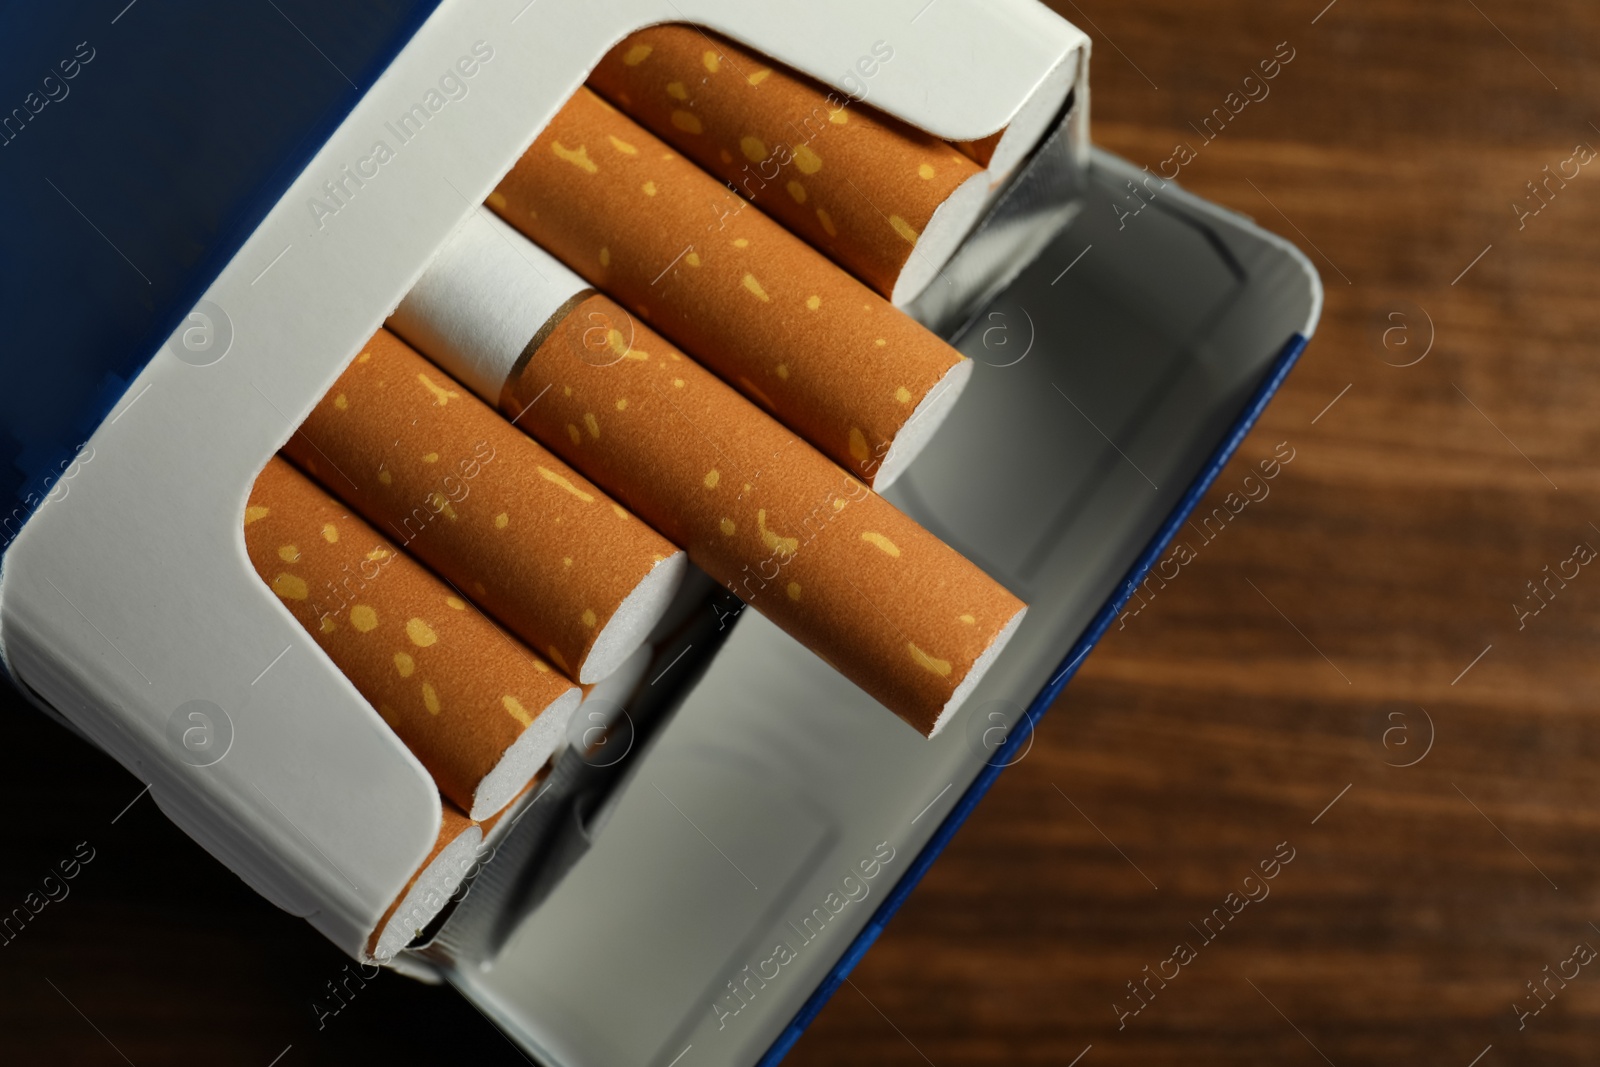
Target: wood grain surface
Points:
(1362, 617)
(1306, 649)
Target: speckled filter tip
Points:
(836, 566)
(884, 200)
(820, 351)
(510, 526)
(480, 711)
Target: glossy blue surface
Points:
(140, 144)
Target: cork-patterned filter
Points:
(446, 867)
(981, 151)
(857, 184)
(830, 358)
(481, 712)
(522, 534)
(836, 566)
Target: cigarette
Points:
(431, 888)
(982, 150)
(592, 730)
(615, 688)
(833, 564)
(827, 356)
(884, 200)
(526, 537)
(480, 711)
(495, 826)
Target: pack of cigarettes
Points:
(602, 524)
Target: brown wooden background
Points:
(1208, 730)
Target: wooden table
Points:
(1267, 695)
(1270, 695)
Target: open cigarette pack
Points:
(411, 571)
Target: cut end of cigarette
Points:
(526, 757)
(949, 226)
(428, 894)
(614, 688)
(634, 618)
(975, 675)
(604, 706)
(918, 430)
